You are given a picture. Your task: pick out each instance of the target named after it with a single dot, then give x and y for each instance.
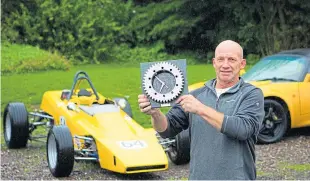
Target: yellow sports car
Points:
(285, 81)
(84, 125)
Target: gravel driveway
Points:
(288, 159)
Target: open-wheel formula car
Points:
(84, 125)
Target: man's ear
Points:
(243, 63)
(213, 62)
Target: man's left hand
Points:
(190, 104)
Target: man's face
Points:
(228, 65)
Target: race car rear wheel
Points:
(15, 125)
(60, 151)
(180, 151)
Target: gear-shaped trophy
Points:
(164, 82)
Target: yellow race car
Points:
(285, 81)
(84, 125)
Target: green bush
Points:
(252, 59)
(81, 30)
(125, 55)
(192, 58)
(24, 58)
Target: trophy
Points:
(163, 82)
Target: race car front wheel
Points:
(180, 150)
(60, 151)
(15, 125)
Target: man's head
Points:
(228, 62)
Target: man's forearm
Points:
(212, 116)
(159, 121)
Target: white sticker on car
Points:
(133, 144)
(62, 120)
(127, 118)
(59, 104)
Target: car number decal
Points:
(133, 144)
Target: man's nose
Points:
(226, 64)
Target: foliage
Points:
(272, 26)
(24, 58)
(125, 55)
(96, 31)
(261, 27)
(81, 30)
(169, 21)
(252, 59)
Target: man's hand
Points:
(159, 120)
(145, 105)
(190, 104)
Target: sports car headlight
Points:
(122, 103)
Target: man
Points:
(224, 118)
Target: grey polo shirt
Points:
(229, 153)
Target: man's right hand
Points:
(159, 120)
(145, 105)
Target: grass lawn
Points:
(110, 80)
(14, 54)
(26, 58)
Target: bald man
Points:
(224, 117)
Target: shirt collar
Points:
(211, 85)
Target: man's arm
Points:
(190, 104)
(240, 126)
(211, 116)
(248, 119)
(167, 125)
(159, 121)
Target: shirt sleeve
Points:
(177, 121)
(248, 119)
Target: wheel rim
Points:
(173, 151)
(8, 127)
(273, 122)
(52, 151)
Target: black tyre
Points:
(275, 123)
(15, 125)
(180, 151)
(127, 107)
(60, 151)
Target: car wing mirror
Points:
(307, 78)
(242, 71)
(122, 103)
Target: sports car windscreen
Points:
(277, 68)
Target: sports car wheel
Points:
(180, 149)
(60, 151)
(275, 123)
(15, 125)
